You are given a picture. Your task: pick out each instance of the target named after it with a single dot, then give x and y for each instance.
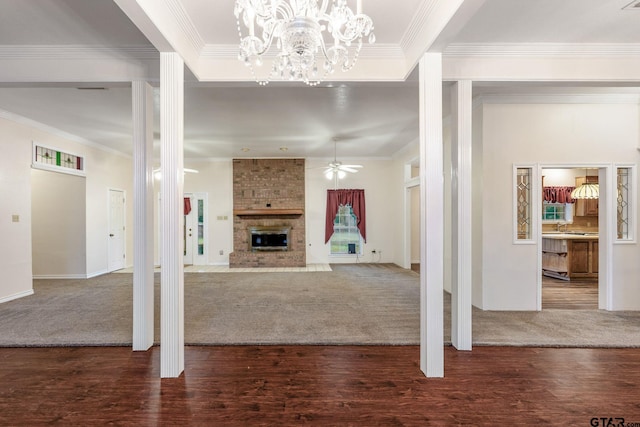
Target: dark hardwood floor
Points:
(330, 385)
(569, 295)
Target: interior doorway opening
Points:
(570, 235)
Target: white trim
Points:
(606, 229)
(78, 51)
(124, 229)
(431, 216)
(97, 273)
(16, 296)
(461, 215)
(60, 276)
(172, 216)
(409, 184)
(556, 50)
(58, 169)
(560, 98)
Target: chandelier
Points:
(310, 40)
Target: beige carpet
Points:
(353, 304)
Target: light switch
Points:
(15, 218)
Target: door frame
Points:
(409, 184)
(124, 228)
(195, 196)
(606, 219)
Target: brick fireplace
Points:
(268, 208)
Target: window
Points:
(624, 205)
(522, 204)
(554, 211)
(346, 237)
(55, 160)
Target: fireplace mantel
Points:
(267, 211)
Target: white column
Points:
(431, 216)
(461, 216)
(142, 103)
(171, 208)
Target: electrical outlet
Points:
(221, 252)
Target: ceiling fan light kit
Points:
(336, 170)
(311, 39)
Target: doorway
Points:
(195, 229)
(570, 235)
(116, 237)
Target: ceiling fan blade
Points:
(352, 166)
(346, 169)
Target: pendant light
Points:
(587, 190)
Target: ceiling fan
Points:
(335, 169)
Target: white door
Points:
(189, 221)
(116, 230)
(195, 230)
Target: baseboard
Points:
(96, 274)
(60, 276)
(16, 296)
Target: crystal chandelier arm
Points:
(322, 10)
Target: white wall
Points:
(58, 224)
(105, 170)
(216, 179)
(563, 177)
(546, 134)
(380, 179)
(477, 253)
(15, 187)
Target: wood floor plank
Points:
(577, 294)
(318, 385)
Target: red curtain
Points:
(558, 194)
(187, 205)
(337, 198)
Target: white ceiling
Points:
(48, 48)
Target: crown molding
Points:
(542, 50)
(427, 25)
(17, 118)
(375, 51)
(168, 26)
(417, 24)
(75, 52)
(189, 30)
(558, 98)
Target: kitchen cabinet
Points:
(586, 207)
(566, 256)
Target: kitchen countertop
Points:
(570, 236)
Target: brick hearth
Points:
(260, 185)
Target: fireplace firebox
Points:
(269, 238)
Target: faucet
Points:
(559, 226)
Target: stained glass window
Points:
(622, 203)
(523, 204)
(54, 159)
